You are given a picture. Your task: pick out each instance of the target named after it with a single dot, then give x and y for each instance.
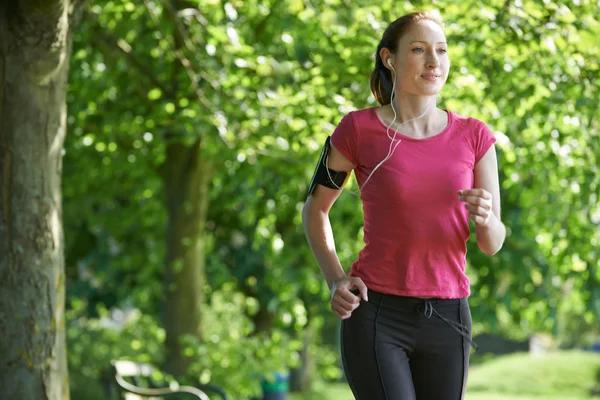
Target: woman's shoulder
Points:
(361, 113)
(363, 117)
(355, 124)
(465, 121)
(476, 132)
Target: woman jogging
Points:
(423, 173)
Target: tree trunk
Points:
(263, 320)
(187, 177)
(300, 378)
(34, 58)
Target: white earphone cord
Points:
(390, 150)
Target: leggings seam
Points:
(375, 348)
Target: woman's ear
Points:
(387, 58)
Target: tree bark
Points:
(186, 182)
(263, 320)
(34, 53)
(300, 378)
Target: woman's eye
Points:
(417, 49)
(442, 51)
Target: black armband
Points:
(326, 176)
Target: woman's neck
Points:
(414, 109)
(417, 114)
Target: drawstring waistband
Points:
(463, 330)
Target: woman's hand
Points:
(478, 203)
(343, 301)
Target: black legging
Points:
(406, 348)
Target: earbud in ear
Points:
(389, 61)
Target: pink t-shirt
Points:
(415, 226)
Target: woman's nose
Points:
(433, 61)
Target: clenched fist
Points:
(343, 301)
(478, 203)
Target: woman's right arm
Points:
(315, 217)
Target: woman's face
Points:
(421, 60)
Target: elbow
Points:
(490, 250)
(491, 239)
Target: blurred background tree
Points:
(194, 128)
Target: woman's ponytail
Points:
(381, 80)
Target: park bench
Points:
(135, 381)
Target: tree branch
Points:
(181, 36)
(192, 75)
(111, 52)
(262, 24)
(106, 40)
(76, 11)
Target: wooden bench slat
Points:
(133, 370)
(130, 368)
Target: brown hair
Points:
(381, 77)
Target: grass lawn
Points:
(491, 396)
(555, 376)
(568, 374)
(341, 392)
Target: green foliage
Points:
(231, 355)
(262, 84)
(328, 368)
(94, 342)
(114, 215)
(577, 332)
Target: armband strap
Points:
(326, 176)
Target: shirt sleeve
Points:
(345, 139)
(483, 140)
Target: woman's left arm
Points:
(483, 204)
